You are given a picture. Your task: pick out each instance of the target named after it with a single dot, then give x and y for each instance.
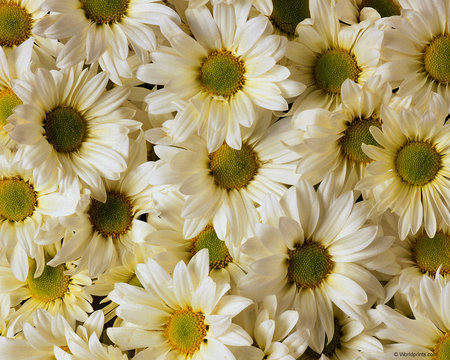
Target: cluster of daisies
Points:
(224, 179)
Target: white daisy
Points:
(216, 80)
(324, 55)
(417, 52)
(27, 205)
(354, 11)
(411, 171)
(190, 315)
(314, 249)
(69, 122)
(104, 230)
(224, 187)
(103, 30)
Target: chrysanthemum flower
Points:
(103, 30)
(411, 171)
(324, 55)
(354, 11)
(69, 122)
(225, 72)
(313, 249)
(189, 315)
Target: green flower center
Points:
(113, 217)
(430, 253)
(385, 8)
(222, 73)
(186, 330)
(333, 67)
(51, 285)
(18, 200)
(105, 11)
(287, 14)
(65, 129)
(418, 163)
(328, 349)
(356, 134)
(8, 101)
(219, 257)
(442, 348)
(231, 168)
(309, 265)
(437, 59)
(15, 24)
(135, 281)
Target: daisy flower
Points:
(27, 205)
(104, 30)
(333, 140)
(191, 317)
(104, 230)
(224, 187)
(427, 336)
(217, 79)
(324, 55)
(411, 171)
(354, 11)
(69, 121)
(314, 249)
(53, 291)
(417, 51)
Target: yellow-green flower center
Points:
(333, 67)
(219, 256)
(18, 200)
(437, 59)
(385, 8)
(356, 134)
(417, 163)
(287, 14)
(113, 217)
(442, 348)
(222, 73)
(8, 101)
(231, 168)
(430, 253)
(65, 129)
(51, 285)
(15, 24)
(328, 349)
(105, 11)
(185, 330)
(309, 264)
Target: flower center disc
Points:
(429, 254)
(333, 67)
(8, 101)
(309, 264)
(105, 11)
(328, 349)
(417, 163)
(113, 217)
(219, 256)
(18, 199)
(65, 129)
(51, 285)
(442, 349)
(358, 133)
(231, 168)
(385, 8)
(287, 14)
(185, 330)
(15, 24)
(437, 59)
(222, 73)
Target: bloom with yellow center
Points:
(311, 250)
(324, 55)
(411, 171)
(189, 314)
(217, 80)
